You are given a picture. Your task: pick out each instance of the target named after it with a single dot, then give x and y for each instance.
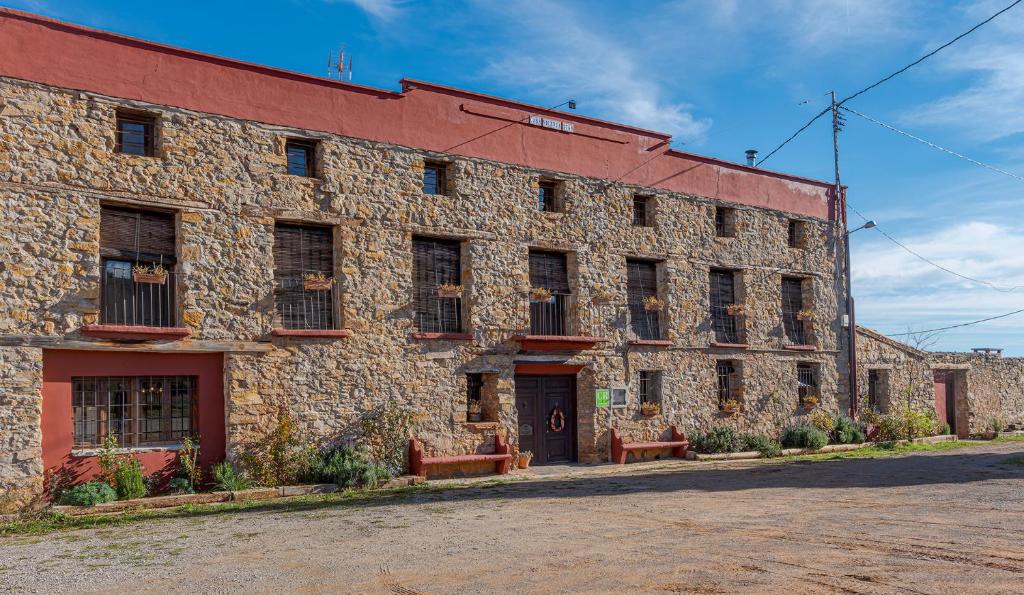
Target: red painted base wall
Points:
(59, 366)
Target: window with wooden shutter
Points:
(132, 243)
(550, 271)
(796, 233)
(643, 215)
(436, 263)
(304, 276)
(641, 285)
(792, 306)
(725, 222)
(722, 299)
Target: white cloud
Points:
(384, 10)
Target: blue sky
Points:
(722, 76)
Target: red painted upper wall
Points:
(423, 115)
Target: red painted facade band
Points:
(548, 369)
(424, 116)
(60, 366)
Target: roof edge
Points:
(891, 342)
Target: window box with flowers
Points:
(650, 409)
(809, 401)
(540, 295)
(152, 274)
(653, 303)
(317, 282)
(731, 407)
(806, 314)
(449, 290)
(736, 309)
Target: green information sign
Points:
(603, 397)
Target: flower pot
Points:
(475, 417)
(449, 292)
(155, 278)
(524, 460)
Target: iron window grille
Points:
(795, 234)
(554, 317)
(725, 222)
(642, 284)
(304, 252)
(547, 196)
(474, 393)
(792, 306)
(642, 211)
(137, 410)
(724, 324)
(806, 381)
(435, 178)
(648, 386)
(728, 383)
(135, 134)
(874, 390)
(435, 263)
(131, 238)
(301, 156)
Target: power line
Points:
(1005, 289)
(931, 144)
(891, 76)
(946, 328)
(931, 53)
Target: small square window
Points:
(547, 196)
(725, 222)
(301, 156)
(796, 234)
(807, 383)
(435, 178)
(729, 384)
(649, 386)
(136, 134)
(474, 397)
(642, 214)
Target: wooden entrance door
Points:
(945, 398)
(537, 398)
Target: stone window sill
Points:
(481, 425)
(312, 333)
(717, 345)
(799, 347)
(92, 452)
(651, 342)
(138, 333)
(442, 336)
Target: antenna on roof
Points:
(339, 65)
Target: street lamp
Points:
(851, 321)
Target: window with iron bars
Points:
(134, 242)
(876, 390)
(806, 381)
(436, 263)
(641, 285)
(135, 134)
(642, 211)
(725, 222)
(547, 196)
(724, 322)
(793, 323)
(435, 177)
(649, 386)
(301, 155)
(137, 410)
(795, 234)
(304, 290)
(728, 381)
(474, 396)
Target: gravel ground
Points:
(940, 522)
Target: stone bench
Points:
(418, 463)
(678, 443)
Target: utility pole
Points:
(840, 199)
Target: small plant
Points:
(945, 430)
(720, 439)
(997, 425)
(346, 467)
(809, 401)
(385, 434)
(188, 461)
(474, 411)
(731, 407)
(653, 303)
(88, 494)
(803, 436)
(129, 481)
(180, 485)
(154, 274)
(449, 290)
(765, 445)
(540, 295)
(736, 309)
(846, 431)
(278, 458)
(805, 314)
(317, 282)
(649, 409)
(226, 479)
(821, 420)
(109, 459)
(524, 459)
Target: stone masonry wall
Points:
(225, 180)
(995, 388)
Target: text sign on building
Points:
(552, 124)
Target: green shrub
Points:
(346, 467)
(180, 485)
(907, 423)
(128, 479)
(88, 494)
(846, 431)
(226, 479)
(720, 439)
(803, 436)
(279, 458)
(946, 430)
(385, 432)
(765, 445)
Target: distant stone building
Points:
(969, 391)
(192, 245)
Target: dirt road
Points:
(941, 522)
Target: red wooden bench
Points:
(678, 443)
(418, 463)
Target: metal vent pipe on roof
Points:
(751, 157)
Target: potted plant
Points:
(805, 314)
(449, 290)
(736, 309)
(650, 409)
(525, 457)
(731, 407)
(602, 296)
(154, 274)
(809, 401)
(475, 411)
(540, 294)
(653, 304)
(317, 282)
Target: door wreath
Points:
(557, 420)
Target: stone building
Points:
(969, 391)
(192, 245)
